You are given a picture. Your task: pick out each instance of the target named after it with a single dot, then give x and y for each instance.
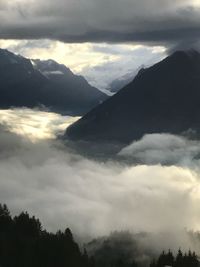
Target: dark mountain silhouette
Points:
(162, 98)
(32, 83)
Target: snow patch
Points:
(54, 72)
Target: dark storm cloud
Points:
(162, 22)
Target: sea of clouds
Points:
(159, 194)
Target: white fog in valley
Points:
(35, 124)
(39, 174)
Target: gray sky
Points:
(97, 37)
(153, 21)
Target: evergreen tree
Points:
(179, 259)
(187, 260)
(153, 263)
(24, 243)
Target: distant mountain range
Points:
(124, 80)
(164, 98)
(33, 83)
(121, 82)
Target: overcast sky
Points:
(97, 37)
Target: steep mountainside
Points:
(162, 98)
(33, 83)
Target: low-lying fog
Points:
(39, 174)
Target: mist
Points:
(93, 198)
(165, 149)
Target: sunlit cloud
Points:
(74, 56)
(196, 3)
(34, 124)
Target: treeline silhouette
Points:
(23, 243)
(180, 260)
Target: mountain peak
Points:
(8, 58)
(190, 56)
(190, 53)
(50, 66)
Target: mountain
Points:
(33, 83)
(124, 80)
(162, 98)
(118, 84)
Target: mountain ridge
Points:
(31, 83)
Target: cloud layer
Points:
(35, 124)
(169, 22)
(94, 198)
(166, 149)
